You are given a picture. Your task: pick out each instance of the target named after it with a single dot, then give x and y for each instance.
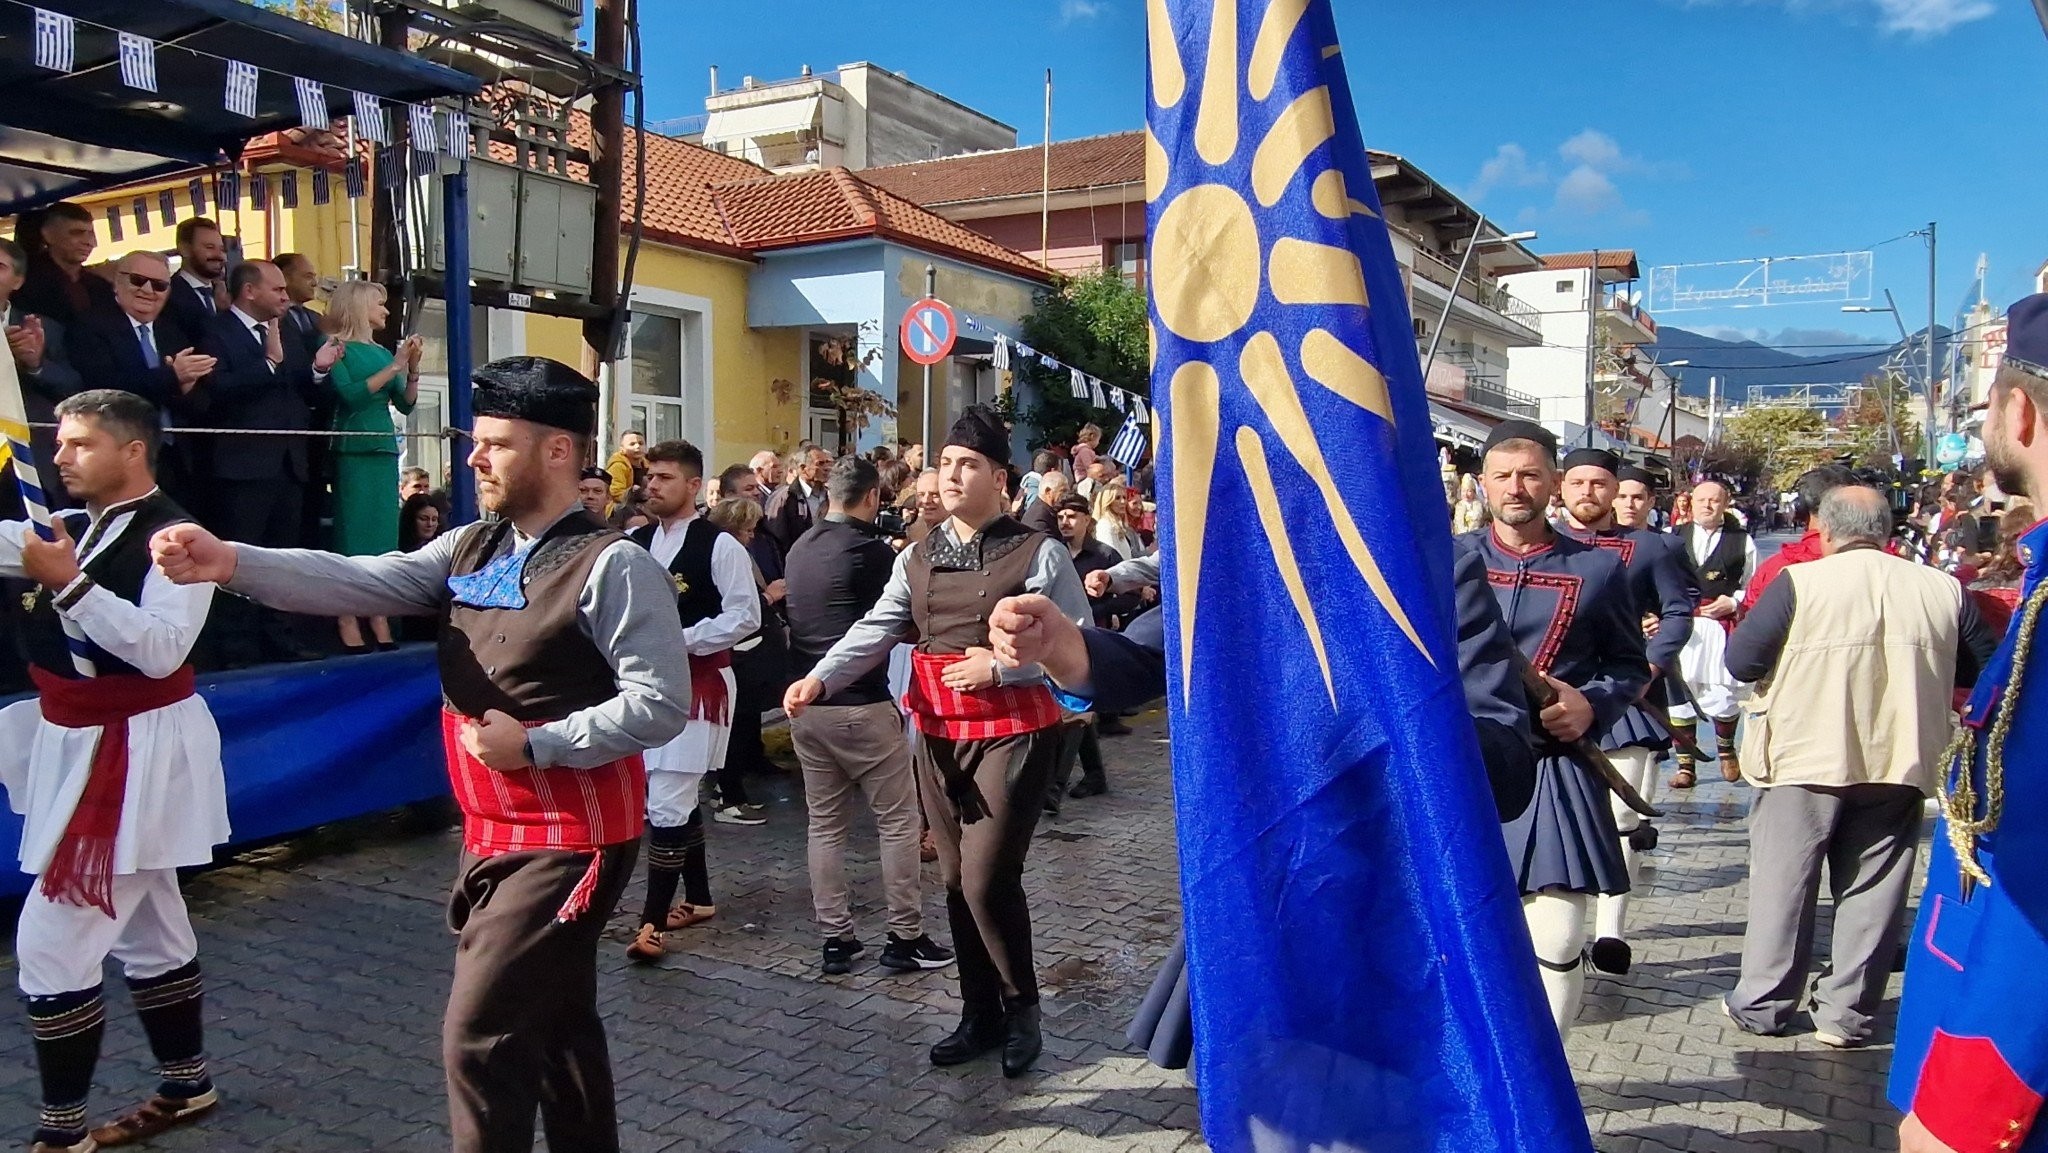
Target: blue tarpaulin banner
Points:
(307, 744)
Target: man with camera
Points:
(852, 739)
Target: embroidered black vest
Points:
(697, 596)
(1723, 572)
(120, 567)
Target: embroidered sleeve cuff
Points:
(1970, 1098)
(1071, 702)
(71, 594)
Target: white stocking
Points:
(1639, 767)
(1557, 925)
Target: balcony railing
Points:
(1494, 298)
(1634, 312)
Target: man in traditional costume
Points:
(1660, 582)
(713, 579)
(991, 733)
(1724, 555)
(1572, 616)
(116, 771)
(562, 660)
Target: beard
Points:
(1516, 514)
(1588, 512)
(2006, 467)
(508, 496)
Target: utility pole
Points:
(607, 148)
(387, 258)
(931, 290)
(1592, 338)
(1045, 178)
(1930, 344)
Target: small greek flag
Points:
(167, 207)
(1116, 399)
(1024, 350)
(420, 118)
(230, 196)
(56, 41)
(259, 191)
(140, 208)
(241, 93)
(1002, 357)
(370, 123)
(1095, 396)
(1138, 412)
(196, 192)
(1048, 362)
(288, 189)
(138, 61)
(1128, 449)
(391, 166)
(114, 222)
(322, 194)
(458, 142)
(1077, 384)
(352, 176)
(312, 102)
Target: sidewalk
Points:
(327, 966)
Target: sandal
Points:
(1731, 769)
(1684, 779)
(152, 1117)
(683, 916)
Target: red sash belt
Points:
(569, 810)
(81, 872)
(980, 715)
(709, 700)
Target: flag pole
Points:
(14, 427)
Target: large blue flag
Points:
(1360, 973)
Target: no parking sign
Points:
(928, 331)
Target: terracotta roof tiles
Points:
(1090, 162)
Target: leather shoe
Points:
(975, 1036)
(1022, 1040)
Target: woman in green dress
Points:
(369, 382)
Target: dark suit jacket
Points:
(1039, 516)
(42, 292)
(40, 392)
(185, 312)
(106, 351)
(245, 392)
(788, 516)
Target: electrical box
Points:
(527, 229)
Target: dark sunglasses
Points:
(137, 280)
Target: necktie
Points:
(149, 353)
(206, 297)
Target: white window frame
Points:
(698, 391)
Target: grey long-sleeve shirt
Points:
(889, 623)
(627, 608)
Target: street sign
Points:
(929, 331)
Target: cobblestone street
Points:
(327, 965)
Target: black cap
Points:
(538, 390)
(1520, 430)
(2026, 335)
(1640, 476)
(1591, 458)
(1073, 502)
(981, 430)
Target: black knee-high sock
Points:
(1724, 736)
(170, 1010)
(67, 1030)
(696, 872)
(664, 865)
(1683, 742)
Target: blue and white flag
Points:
(196, 193)
(1138, 412)
(1077, 384)
(1128, 446)
(241, 90)
(288, 189)
(259, 192)
(457, 141)
(140, 208)
(56, 41)
(138, 61)
(1095, 396)
(353, 179)
(322, 193)
(1002, 354)
(425, 133)
(114, 223)
(312, 96)
(1359, 973)
(229, 194)
(370, 124)
(167, 207)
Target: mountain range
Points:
(1742, 363)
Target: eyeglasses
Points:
(137, 280)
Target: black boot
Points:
(1021, 1039)
(978, 1033)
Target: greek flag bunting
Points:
(230, 195)
(322, 194)
(167, 207)
(241, 90)
(139, 208)
(288, 189)
(114, 222)
(312, 96)
(138, 61)
(1116, 399)
(56, 41)
(196, 193)
(457, 142)
(1002, 354)
(259, 191)
(352, 177)
(370, 123)
(1138, 411)
(1048, 362)
(1077, 384)
(425, 134)
(1095, 396)
(1358, 969)
(1128, 448)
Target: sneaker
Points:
(150, 1118)
(647, 946)
(912, 956)
(736, 815)
(839, 955)
(1835, 1040)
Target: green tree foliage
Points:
(1785, 439)
(1095, 323)
(322, 13)
(1882, 408)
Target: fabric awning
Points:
(1455, 428)
(66, 133)
(757, 121)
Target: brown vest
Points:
(534, 663)
(950, 606)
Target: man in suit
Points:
(136, 348)
(262, 380)
(58, 286)
(796, 506)
(195, 292)
(302, 285)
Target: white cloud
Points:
(1595, 150)
(1586, 191)
(1918, 18)
(1509, 167)
(1073, 11)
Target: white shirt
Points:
(739, 602)
(257, 329)
(203, 287)
(1704, 543)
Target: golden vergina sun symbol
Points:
(1208, 266)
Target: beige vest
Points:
(1862, 691)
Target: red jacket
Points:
(1804, 549)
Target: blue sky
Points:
(1690, 130)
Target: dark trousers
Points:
(522, 1030)
(983, 862)
(1078, 743)
(267, 513)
